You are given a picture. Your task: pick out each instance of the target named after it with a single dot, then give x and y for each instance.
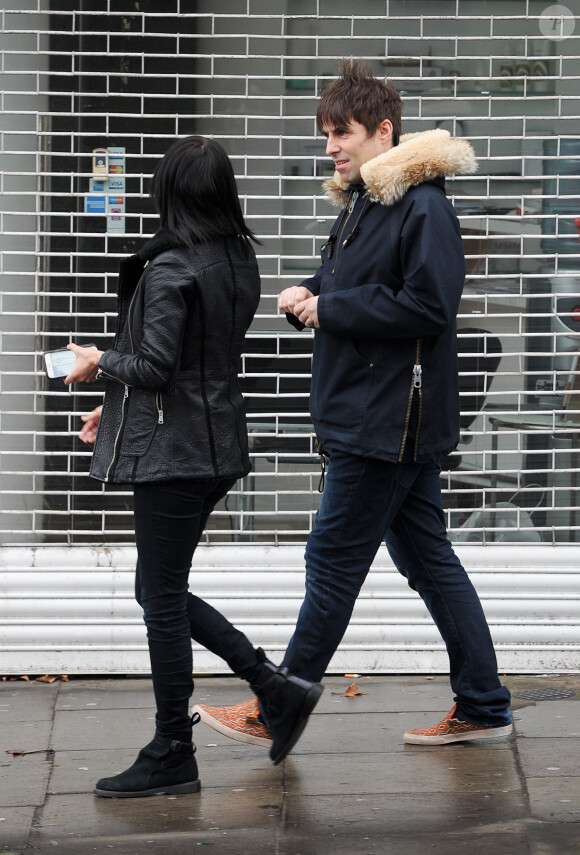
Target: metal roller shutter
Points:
(72, 610)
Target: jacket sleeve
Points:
(313, 285)
(156, 359)
(433, 272)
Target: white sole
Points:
(248, 738)
(484, 733)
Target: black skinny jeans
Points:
(170, 517)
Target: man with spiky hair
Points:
(384, 398)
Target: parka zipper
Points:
(351, 203)
(416, 387)
(418, 383)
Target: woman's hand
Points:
(86, 365)
(91, 423)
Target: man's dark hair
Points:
(195, 193)
(359, 96)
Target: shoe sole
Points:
(310, 702)
(442, 739)
(175, 789)
(230, 732)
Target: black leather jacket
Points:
(173, 408)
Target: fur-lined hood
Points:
(418, 157)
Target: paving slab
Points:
(359, 732)
(74, 730)
(24, 779)
(338, 843)
(451, 770)
(15, 827)
(219, 809)
(555, 799)
(239, 767)
(116, 694)
(402, 814)
(21, 702)
(550, 718)
(256, 841)
(26, 736)
(233, 764)
(549, 757)
(431, 694)
(78, 771)
(553, 838)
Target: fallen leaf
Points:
(18, 752)
(46, 678)
(352, 691)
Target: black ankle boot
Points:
(286, 702)
(165, 766)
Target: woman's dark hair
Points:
(195, 193)
(357, 95)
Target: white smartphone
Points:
(59, 363)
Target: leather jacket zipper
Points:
(125, 394)
(119, 432)
(416, 388)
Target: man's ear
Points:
(385, 131)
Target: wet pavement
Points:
(350, 787)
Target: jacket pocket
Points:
(141, 423)
(340, 397)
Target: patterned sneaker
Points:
(239, 722)
(451, 729)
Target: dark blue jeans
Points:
(170, 517)
(364, 498)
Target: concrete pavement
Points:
(350, 786)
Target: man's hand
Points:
(307, 312)
(299, 301)
(91, 423)
(86, 366)
(288, 299)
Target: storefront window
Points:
(127, 79)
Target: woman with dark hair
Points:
(173, 425)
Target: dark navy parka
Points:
(389, 287)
